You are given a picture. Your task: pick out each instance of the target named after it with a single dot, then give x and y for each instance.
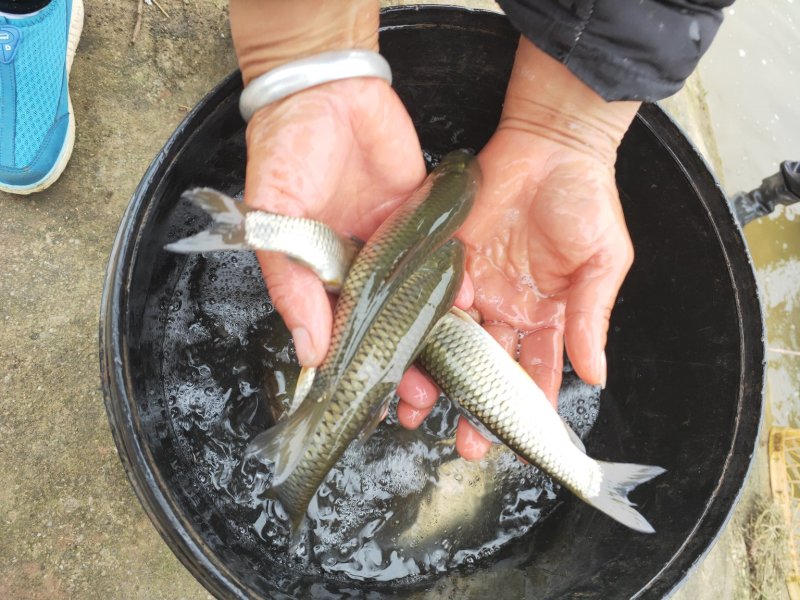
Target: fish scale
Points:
(428, 218)
(505, 400)
(283, 231)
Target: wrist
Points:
(545, 98)
(267, 34)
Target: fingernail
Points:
(415, 418)
(420, 395)
(304, 347)
(603, 370)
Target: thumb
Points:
(589, 302)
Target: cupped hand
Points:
(547, 250)
(345, 153)
(547, 246)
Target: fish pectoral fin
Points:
(284, 444)
(574, 437)
(352, 246)
(618, 480)
(304, 382)
(374, 420)
(473, 420)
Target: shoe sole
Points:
(75, 30)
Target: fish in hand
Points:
(468, 364)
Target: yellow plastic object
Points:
(784, 475)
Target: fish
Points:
(235, 226)
(400, 284)
(494, 393)
(347, 401)
(478, 485)
(477, 373)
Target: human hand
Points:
(330, 153)
(345, 153)
(547, 247)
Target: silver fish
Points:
(475, 371)
(235, 226)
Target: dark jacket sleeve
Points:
(623, 49)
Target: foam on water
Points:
(399, 505)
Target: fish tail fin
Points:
(227, 226)
(221, 207)
(283, 445)
(619, 479)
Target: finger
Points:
(417, 390)
(470, 444)
(411, 417)
(589, 301)
(541, 354)
(299, 297)
(466, 294)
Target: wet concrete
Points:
(71, 525)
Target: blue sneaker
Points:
(37, 125)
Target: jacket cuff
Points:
(622, 49)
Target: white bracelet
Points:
(308, 72)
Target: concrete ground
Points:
(71, 525)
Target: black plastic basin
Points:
(685, 349)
